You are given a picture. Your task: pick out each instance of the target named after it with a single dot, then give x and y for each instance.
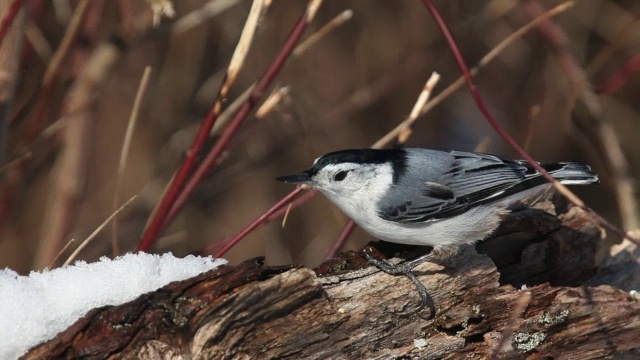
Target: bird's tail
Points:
(568, 173)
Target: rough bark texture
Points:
(346, 309)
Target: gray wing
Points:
(451, 183)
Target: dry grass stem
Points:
(615, 42)
(534, 114)
(39, 42)
(95, 232)
(269, 104)
(483, 108)
(483, 145)
(312, 9)
(210, 10)
(161, 8)
(67, 41)
(9, 13)
(337, 21)
(286, 215)
(248, 31)
(124, 153)
(231, 242)
(53, 262)
(406, 131)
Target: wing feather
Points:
(469, 179)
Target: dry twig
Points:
(124, 153)
(95, 232)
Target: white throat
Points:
(360, 204)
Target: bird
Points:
(418, 196)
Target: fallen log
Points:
(518, 296)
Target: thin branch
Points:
(69, 38)
(342, 238)
(86, 241)
(8, 18)
(209, 10)
(620, 77)
(242, 49)
(124, 153)
(271, 101)
(337, 21)
(410, 121)
(159, 218)
(280, 204)
(53, 262)
(308, 195)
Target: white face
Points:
(350, 180)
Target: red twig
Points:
(159, 216)
(492, 121)
(8, 18)
(280, 204)
(294, 204)
(618, 78)
(213, 247)
(177, 195)
(474, 92)
(342, 238)
(211, 160)
(265, 218)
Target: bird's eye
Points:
(340, 175)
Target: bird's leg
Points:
(405, 269)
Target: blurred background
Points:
(64, 125)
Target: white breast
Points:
(445, 234)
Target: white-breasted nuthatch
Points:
(428, 197)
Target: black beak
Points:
(304, 178)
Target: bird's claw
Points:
(405, 269)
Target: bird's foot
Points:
(405, 269)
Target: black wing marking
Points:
(471, 179)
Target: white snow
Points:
(35, 308)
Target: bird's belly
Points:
(466, 228)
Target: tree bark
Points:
(520, 297)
